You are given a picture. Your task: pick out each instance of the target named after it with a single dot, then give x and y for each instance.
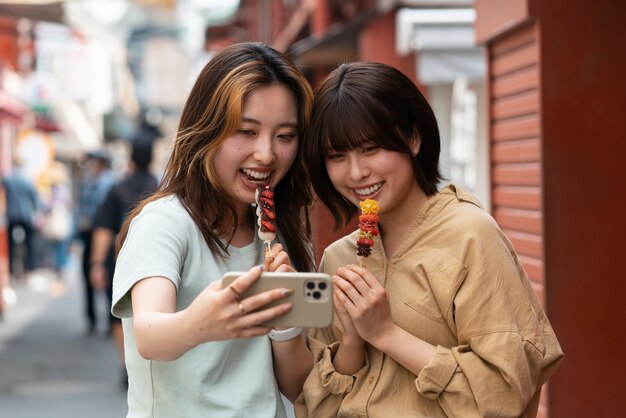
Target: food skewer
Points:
(368, 229)
(266, 217)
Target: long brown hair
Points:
(366, 101)
(212, 113)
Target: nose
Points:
(264, 150)
(357, 169)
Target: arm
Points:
(326, 386)
(106, 220)
(100, 246)
(292, 358)
(350, 355)
(292, 364)
(506, 348)
(214, 315)
(149, 271)
(365, 300)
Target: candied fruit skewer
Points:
(368, 229)
(266, 217)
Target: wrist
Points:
(380, 341)
(352, 341)
(191, 333)
(284, 334)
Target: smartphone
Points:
(312, 297)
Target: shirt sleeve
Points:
(155, 247)
(506, 348)
(325, 388)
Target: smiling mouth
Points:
(254, 176)
(366, 191)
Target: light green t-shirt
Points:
(231, 378)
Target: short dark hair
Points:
(99, 155)
(141, 153)
(367, 101)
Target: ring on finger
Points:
(237, 294)
(243, 311)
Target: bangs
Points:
(347, 125)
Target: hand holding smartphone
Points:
(311, 298)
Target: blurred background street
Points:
(49, 366)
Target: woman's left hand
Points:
(279, 260)
(366, 301)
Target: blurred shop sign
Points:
(11, 92)
(35, 150)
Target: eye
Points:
(334, 156)
(247, 132)
(368, 149)
(287, 137)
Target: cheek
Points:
(334, 173)
(287, 153)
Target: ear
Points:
(415, 145)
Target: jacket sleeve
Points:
(506, 347)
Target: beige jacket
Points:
(456, 283)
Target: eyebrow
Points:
(284, 124)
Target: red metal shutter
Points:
(516, 146)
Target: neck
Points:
(243, 232)
(395, 224)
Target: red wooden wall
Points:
(558, 145)
(515, 145)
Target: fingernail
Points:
(287, 292)
(261, 267)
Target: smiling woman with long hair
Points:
(193, 348)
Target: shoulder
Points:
(463, 213)
(106, 179)
(341, 250)
(167, 208)
(164, 217)
(469, 233)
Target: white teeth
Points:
(255, 174)
(368, 190)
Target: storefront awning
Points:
(47, 11)
(337, 45)
(444, 43)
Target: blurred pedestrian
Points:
(94, 187)
(441, 319)
(57, 226)
(111, 214)
(189, 345)
(23, 211)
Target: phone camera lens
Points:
(321, 285)
(317, 295)
(310, 285)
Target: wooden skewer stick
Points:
(268, 252)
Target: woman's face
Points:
(370, 172)
(264, 146)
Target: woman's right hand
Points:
(349, 330)
(350, 356)
(219, 314)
